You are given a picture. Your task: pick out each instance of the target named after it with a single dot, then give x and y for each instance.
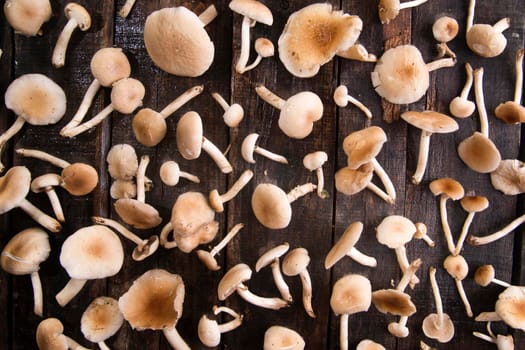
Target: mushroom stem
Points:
(55, 203)
(245, 45)
(480, 102)
(208, 15)
(70, 290)
(190, 177)
(470, 14)
(141, 173)
(267, 303)
(412, 3)
(437, 296)
(421, 233)
(404, 265)
(444, 223)
(360, 105)
(39, 216)
(475, 240)
(37, 294)
(72, 344)
(229, 236)
(217, 156)
(343, 332)
(279, 281)
(424, 346)
(502, 25)
(463, 296)
(379, 192)
(102, 345)
(300, 191)
(307, 293)
(8, 134)
(385, 179)
(59, 53)
(270, 155)
(254, 64)
(119, 228)
(518, 87)
(468, 82)
(422, 158)
(320, 183)
(408, 274)
(79, 129)
(398, 329)
(245, 177)
(174, 339)
(269, 96)
(362, 258)
(126, 8)
(163, 237)
(441, 63)
(46, 157)
(181, 100)
(230, 325)
(87, 100)
(444, 50)
(463, 234)
(484, 337)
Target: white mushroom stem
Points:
(37, 294)
(470, 14)
(230, 325)
(73, 345)
(180, 101)
(421, 233)
(385, 179)
(320, 183)
(55, 203)
(343, 332)
(413, 3)
(300, 191)
(208, 15)
(217, 156)
(464, 232)
(174, 339)
(126, 8)
(444, 223)
(362, 258)
(468, 82)
(245, 45)
(475, 240)
(254, 64)
(70, 290)
(424, 346)
(87, 100)
(220, 100)
(39, 216)
(441, 63)
(307, 293)
(8, 134)
(518, 87)
(163, 237)
(59, 53)
(269, 96)
(267, 303)
(406, 268)
(141, 174)
(480, 102)
(97, 119)
(238, 185)
(270, 155)
(102, 345)
(229, 236)
(279, 281)
(359, 105)
(437, 296)
(46, 157)
(444, 50)
(502, 25)
(395, 327)
(379, 192)
(463, 296)
(119, 228)
(422, 158)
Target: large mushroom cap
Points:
(149, 127)
(349, 181)
(49, 335)
(510, 112)
(510, 307)
(281, 338)
(231, 279)
(177, 42)
(191, 212)
(448, 187)
(127, 95)
(79, 179)
(253, 9)
(509, 177)
(36, 98)
(101, 319)
(430, 121)
(313, 35)
(485, 41)
(109, 65)
(189, 135)
(299, 113)
(24, 252)
(122, 162)
(344, 244)
(154, 301)
(474, 204)
(137, 214)
(393, 302)
(14, 187)
(395, 231)
(271, 206)
(479, 153)
(351, 294)
(295, 262)
(363, 145)
(443, 332)
(27, 16)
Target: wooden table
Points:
(316, 223)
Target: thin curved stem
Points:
(321, 193)
(55, 203)
(362, 258)
(126, 8)
(70, 290)
(220, 100)
(38, 297)
(404, 265)
(173, 337)
(502, 25)
(480, 102)
(229, 236)
(217, 156)
(8, 134)
(39, 216)
(463, 297)
(437, 296)
(77, 130)
(270, 155)
(385, 179)
(46, 157)
(379, 192)
(518, 87)
(269, 96)
(73, 345)
(238, 185)
(464, 232)
(441, 63)
(280, 283)
(484, 337)
(343, 332)
(475, 240)
(163, 237)
(120, 228)
(245, 45)
(267, 303)
(360, 105)
(422, 158)
(141, 173)
(87, 100)
(300, 191)
(180, 101)
(59, 53)
(468, 82)
(208, 15)
(254, 64)
(444, 223)
(307, 293)
(103, 346)
(412, 3)
(470, 14)
(190, 177)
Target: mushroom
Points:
(457, 268)
(271, 257)
(481, 240)
(22, 255)
(122, 162)
(45, 183)
(509, 177)
(271, 205)
(49, 336)
(233, 114)
(430, 122)
(485, 275)
(367, 344)
(249, 147)
(483, 39)
(264, 48)
(78, 17)
(170, 174)
(296, 263)
(401, 76)
(298, 113)
(126, 8)
(424, 346)
(101, 320)
(351, 181)
(27, 16)
(209, 330)
(461, 106)
(314, 161)
(190, 141)
(149, 126)
(446, 188)
(154, 301)
(35, 99)
(389, 9)
(503, 342)
(341, 98)
(345, 246)
(421, 233)
(350, 294)
(123, 189)
(313, 35)
(437, 326)
(509, 307)
(232, 282)
(208, 258)
(445, 29)
(357, 52)
(185, 35)
(472, 205)
(282, 338)
(92, 252)
(512, 112)
(217, 200)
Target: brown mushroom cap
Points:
(388, 10)
(122, 162)
(231, 279)
(127, 95)
(485, 41)
(138, 214)
(344, 244)
(393, 302)
(271, 206)
(25, 251)
(430, 121)
(509, 177)
(101, 319)
(282, 338)
(295, 262)
(484, 275)
(510, 112)
(351, 294)
(314, 160)
(448, 187)
(456, 266)
(191, 212)
(363, 145)
(79, 179)
(474, 204)
(510, 307)
(27, 16)
(443, 333)
(78, 13)
(299, 113)
(109, 65)
(189, 135)
(395, 231)
(479, 153)
(349, 181)
(445, 29)
(14, 187)
(49, 335)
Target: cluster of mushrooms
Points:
(154, 300)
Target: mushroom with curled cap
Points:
(217, 200)
(445, 29)
(190, 141)
(78, 17)
(486, 239)
(402, 77)
(233, 281)
(295, 263)
(341, 98)
(298, 112)
(27, 16)
(92, 252)
(351, 181)
(350, 294)
(233, 113)
(149, 126)
(122, 162)
(101, 320)
(314, 161)
(209, 330)
(389, 9)
(271, 205)
(170, 174)
(177, 29)
(313, 35)
(509, 177)
(282, 338)
(35, 99)
(485, 275)
(460, 106)
(249, 147)
(367, 344)
(271, 257)
(472, 205)
(22, 255)
(154, 301)
(345, 246)
(503, 342)
(264, 48)
(357, 52)
(437, 325)
(457, 268)
(208, 258)
(49, 336)
(512, 112)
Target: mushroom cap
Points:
(137, 214)
(101, 319)
(510, 307)
(154, 301)
(445, 29)
(474, 204)
(509, 177)
(271, 206)
(295, 262)
(447, 186)
(282, 338)
(363, 145)
(351, 294)
(430, 121)
(456, 267)
(313, 35)
(109, 65)
(79, 179)
(484, 275)
(36, 98)
(233, 115)
(271, 255)
(202, 235)
(395, 231)
(189, 135)
(479, 153)
(149, 127)
(170, 173)
(341, 96)
(483, 40)
(367, 344)
(25, 251)
(248, 146)
(510, 112)
(14, 187)
(400, 75)
(208, 260)
(344, 244)
(27, 16)
(461, 107)
(431, 328)
(79, 13)
(299, 113)
(264, 47)
(393, 301)
(92, 252)
(190, 213)
(122, 162)
(315, 160)
(231, 280)
(349, 181)
(49, 335)
(127, 95)
(388, 10)
(177, 29)
(252, 9)
(44, 182)
(208, 330)
(398, 330)
(123, 189)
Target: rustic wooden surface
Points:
(316, 223)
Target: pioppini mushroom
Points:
(485, 275)
(389, 9)
(282, 338)
(439, 325)
(78, 17)
(249, 147)
(314, 161)
(430, 122)
(351, 181)
(503, 342)
(367, 344)
(457, 268)
(27, 16)
(357, 52)
(154, 301)
(217, 200)
(208, 258)
(295, 263)
(512, 112)
(22, 255)
(508, 308)
(233, 113)
(483, 39)
(122, 162)
(421, 233)
(46, 183)
(313, 35)
(209, 330)
(264, 48)
(461, 106)
(149, 126)
(509, 177)
(49, 336)
(170, 174)
(341, 98)
(445, 29)
(271, 205)
(350, 294)
(233, 281)
(472, 205)
(271, 257)
(481, 240)
(92, 252)
(190, 141)
(101, 320)
(35, 99)
(345, 246)
(126, 8)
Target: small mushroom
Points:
(421, 233)
(208, 258)
(296, 263)
(170, 174)
(78, 17)
(512, 112)
(367, 344)
(357, 52)
(314, 161)
(49, 336)
(481, 240)
(472, 205)
(439, 325)
(217, 200)
(45, 183)
(389, 9)
(351, 181)
(282, 338)
(298, 112)
(101, 320)
(249, 147)
(461, 106)
(122, 162)
(27, 16)
(483, 39)
(123, 189)
(457, 268)
(233, 113)
(209, 330)
(445, 29)
(264, 48)
(485, 275)
(271, 257)
(345, 246)
(509, 177)
(503, 342)
(341, 98)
